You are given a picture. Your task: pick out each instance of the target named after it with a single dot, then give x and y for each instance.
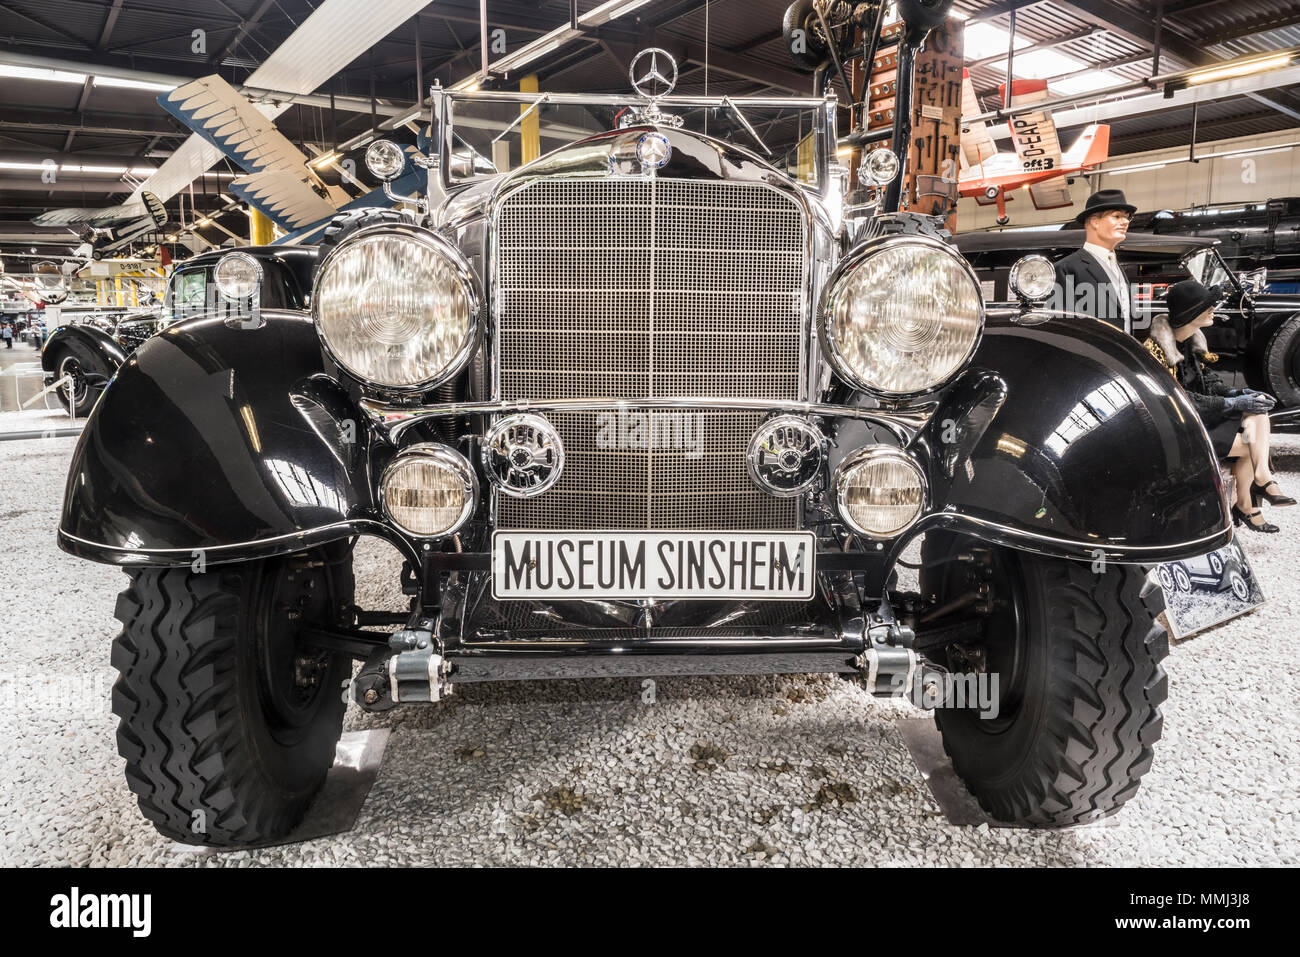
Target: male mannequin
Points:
(1091, 280)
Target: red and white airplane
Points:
(1037, 162)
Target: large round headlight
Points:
(237, 275)
(901, 316)
(395, 306)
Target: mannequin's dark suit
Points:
(1087, 288)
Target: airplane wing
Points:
(1050, 193)
(284, 197)
(976, 141)
(335, 33)
(191, 160)
(216, 111)
(405, 185)
(146, 207)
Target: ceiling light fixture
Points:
(1246, 68)
(118, 81)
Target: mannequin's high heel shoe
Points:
(1241, 518)
(1258, 492)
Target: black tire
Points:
(224, 744)
(1080, 685)
(89, 378)
(345, 224)
(1240, 590)
(812, 52)
(1281, 362)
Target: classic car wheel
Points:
(80, 398)
(227, 727)
(1216, 564)
(1238, 585)
(1166, 579)
(1182, 579)
(1077, 654)
(1281, 362)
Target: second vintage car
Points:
(1256, 340)
(654, 403)
(87, 356)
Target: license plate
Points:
(582, 565)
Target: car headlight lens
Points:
(1032, 278)
(880, 491)
(395, 306)
(879, 168)
(901, 316)
(385, 160)
(429, 490)
(237, 275)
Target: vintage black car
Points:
(91, 355)
(1257, 339)
(655, 403)
(1251, 235)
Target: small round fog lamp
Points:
(1032, 278)
(879, 168)
(385, 160)
(880, 491)
(428, 490)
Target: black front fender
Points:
(220, 441)
(1068, 438)
(90, 343)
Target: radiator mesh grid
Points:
(650, 289)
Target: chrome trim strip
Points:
(935, 517)
(352, 526)
(396, 419)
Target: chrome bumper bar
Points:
(395, 419)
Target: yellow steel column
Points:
(117, 290)
(530, 133)
(259, 228)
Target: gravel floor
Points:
(735, 771)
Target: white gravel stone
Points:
(584, 773)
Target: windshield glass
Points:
(1207, 268)
(779, 131)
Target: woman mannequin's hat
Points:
(1188, 299)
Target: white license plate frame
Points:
(658, 564)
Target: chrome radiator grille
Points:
(650, 289)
